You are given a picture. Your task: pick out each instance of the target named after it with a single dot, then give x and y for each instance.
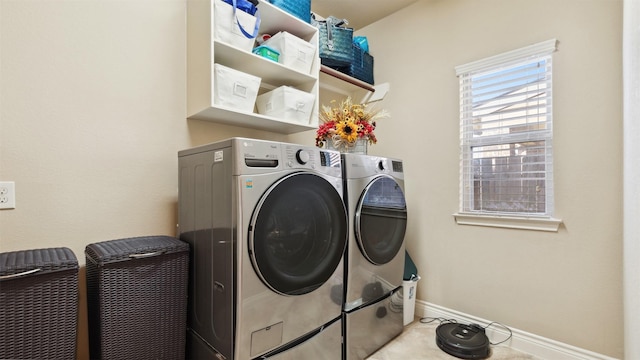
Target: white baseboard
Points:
(535, 345)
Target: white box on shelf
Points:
(287, 103)
(226, 27)
(234, 89)
(294, 52)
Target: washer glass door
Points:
(381, 220)
(298, 234)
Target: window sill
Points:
(510, 222)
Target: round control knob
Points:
(302, 157)
(381, 165)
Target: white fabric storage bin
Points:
(234, 89)
(287, 103)
(294, 52)
(226, 27)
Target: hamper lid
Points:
(24, 262)
(410, 269)
(132, 248)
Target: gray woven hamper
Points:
(38, 304)
(137, 298)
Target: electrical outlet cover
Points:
(7, 195)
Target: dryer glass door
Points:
(298, 234)
(381, 220)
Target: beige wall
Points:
(567, 285)
(92, 97)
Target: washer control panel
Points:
(302, 157)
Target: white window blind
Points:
(506, 133)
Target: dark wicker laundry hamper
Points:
(137, 298)
(38, 304)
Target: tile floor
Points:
(418, 341)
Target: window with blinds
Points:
(506, 133)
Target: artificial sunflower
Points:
(348, 130)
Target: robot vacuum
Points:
(463, 341)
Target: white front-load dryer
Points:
(374, 260)
(377, 223)
(268, 228)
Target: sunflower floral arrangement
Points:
(342, 126)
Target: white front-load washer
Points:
(375, 255)
(377, 223)
(268, 228)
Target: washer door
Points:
(381, 220)
(298, 234)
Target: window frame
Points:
(543, 221)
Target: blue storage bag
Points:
(298, 8)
